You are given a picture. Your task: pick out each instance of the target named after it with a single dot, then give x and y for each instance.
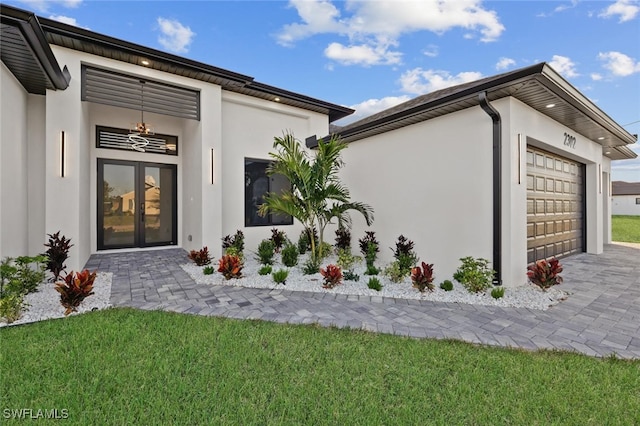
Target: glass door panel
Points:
(159, 187)
(118, 205)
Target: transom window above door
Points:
(113, 138)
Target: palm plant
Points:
(317, 196)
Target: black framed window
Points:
(256, 185)
(113, 138)
(637, 200)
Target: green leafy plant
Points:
(374, 284)
(394, 272)
(31, 271)
(404, 255)
(497, 292)
(289, 255)
(280, 276)
(265, 270)
(208, 270)
(200, 257)
(324, 250)
(545, 273)
(474, 274)
(230, 266)
(317, 195)
(57, 254)
(372, 270)
(234, 243)
(446, 285)
(311, 266)
(332, 276)
(277, 238)
(422, 278)
(75, 288)
(364, 243)
(303, 242)
(343, 239)
(346, 260)
(233, 251)
(11, 305)
(351, 276)
(266, 252)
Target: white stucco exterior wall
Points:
(626, 205)
(14, 239)
(432, 183)
(249, 126)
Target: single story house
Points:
(513, 168)
(625, 198)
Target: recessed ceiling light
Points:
(276, 99)
(145, 62)
(607, 152)
(550, 105)
(601, 138)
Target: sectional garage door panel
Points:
(555, 211)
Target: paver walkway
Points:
(600, 318)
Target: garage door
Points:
(555, 210)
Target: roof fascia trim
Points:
(33, 34)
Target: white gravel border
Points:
(45, 303)
(528, 296)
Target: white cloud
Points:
(376, 25)
(370, 107)
(625, 9)
(619, 64)
(175, 36)
(504, 63)
(564, 66)
(67, 20)
(596, 77)
(43, 5)
(418, 81)
(362, 54)
(431, 51)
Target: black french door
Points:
(137, 204)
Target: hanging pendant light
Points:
(141, 129)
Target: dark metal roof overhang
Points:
(27, 54)
(108, 47)
(536, 86)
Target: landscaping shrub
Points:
(404, 255)
(311, 266)
(346, 260)
(11, 305)
(277, 238)
(324, 250)
(234, 243)
(280, 276)
(332, 276)
(265, 270)
(422, 278)
(31, 276)
(303, 242)
(446, 285)
(343, 239)
(351, 276)
(374, 284)
(497, 292)
(266, 252)
(200, 257)
(57, 253)
(365, 242)
(394, 272)
(208, 270)
(75, 288)
(372, 270)
(474, 274)
(545, 273)
(289, 255)
(230, 266)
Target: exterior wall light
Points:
(212, 166)
(63, 154)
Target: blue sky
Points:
(371, 55)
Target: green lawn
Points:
(625, 228)
(123, 366)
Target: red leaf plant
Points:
(230, 266)
(74, 289)
(545, 273)
(422, 278)
(332, 276)
(200, 257)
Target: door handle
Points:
(142, 212)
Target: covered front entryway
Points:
(137, 204)
(555, 205)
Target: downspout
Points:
(497, 185)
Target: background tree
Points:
(317, 196)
